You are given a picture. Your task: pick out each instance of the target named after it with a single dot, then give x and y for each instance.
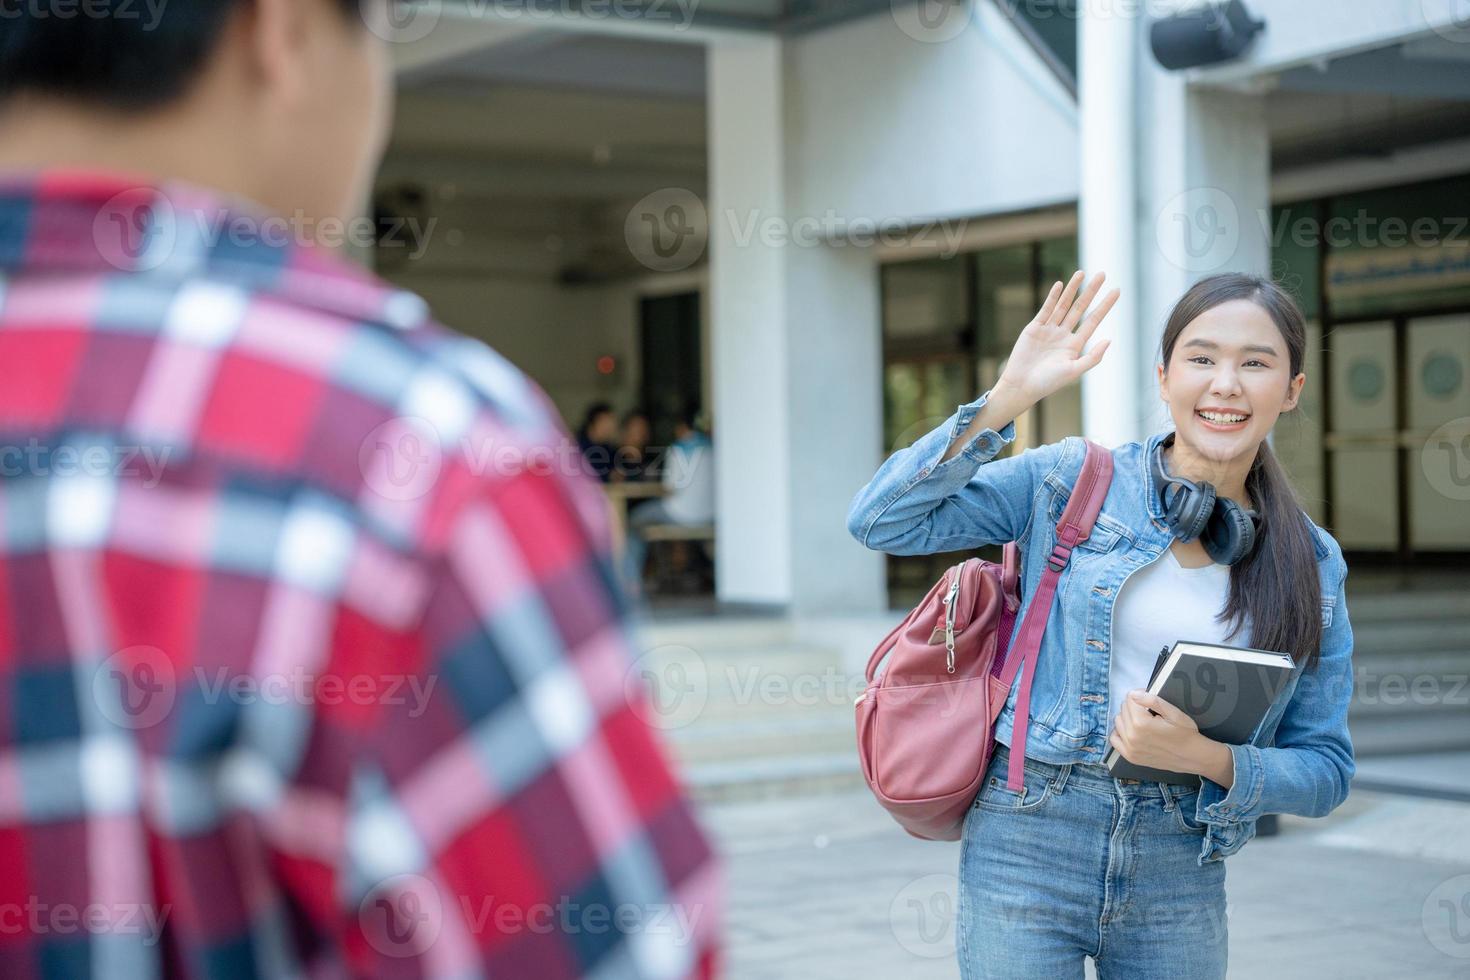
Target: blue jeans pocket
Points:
(1184, 808)
(995, 795)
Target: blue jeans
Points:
(636, 548)
(1082, 864)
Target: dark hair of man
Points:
(126, 55)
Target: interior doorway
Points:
(672, 378)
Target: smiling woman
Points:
(1232, 354)
(1231, 365)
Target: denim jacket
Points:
(1299, 760)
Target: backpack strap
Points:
(1075, 525)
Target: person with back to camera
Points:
(324, 672)
(1080, 863)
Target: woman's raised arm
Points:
(944, 493)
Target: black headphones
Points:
(1192, 510)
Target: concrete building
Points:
(827, 222)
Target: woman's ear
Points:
(1294, 393)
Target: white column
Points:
(835, 342)
(747, 320)
(1175, 187)
(1107, 208)
(796, 361)
(1204, 180)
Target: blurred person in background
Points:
(687, 470)
(286, 687)
(634, 461)
(596, 437)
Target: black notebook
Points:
(1226, 690)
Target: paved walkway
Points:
(828, 887)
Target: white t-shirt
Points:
(689, 480)
(1161, 603)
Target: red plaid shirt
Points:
(312, 661)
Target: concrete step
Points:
(755, 779)
(1423, 603)
(704, 686)
(809, 733)
(1386, 685)
(1423, 731)
(1407, 636)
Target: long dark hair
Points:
(1277, 582)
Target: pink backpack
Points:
(926, 726)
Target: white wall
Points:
(883, 125)
(868, 122)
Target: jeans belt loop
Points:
(1171, 796)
